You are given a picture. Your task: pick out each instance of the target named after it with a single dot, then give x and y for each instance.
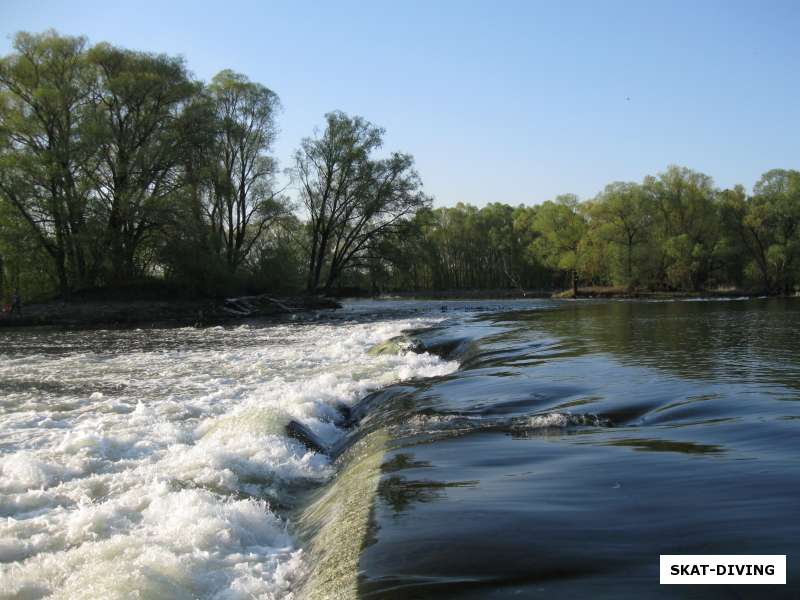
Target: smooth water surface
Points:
(580, 441)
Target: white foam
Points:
(547, 420)
(553, 420)
(146, 463)
(717, 299)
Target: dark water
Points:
(580, 441)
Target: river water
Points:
(491, 450)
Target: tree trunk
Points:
(316, 274)
(311, 263)
(117, 252)
(767, 286)
(574, 283)
(630, 265)
(333, 275)
(63, 280)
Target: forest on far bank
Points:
(120, 171)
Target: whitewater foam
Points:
(458, 423)
(155, 462)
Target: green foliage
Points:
(462, 248)
(24, 264)
(674, 231)
(774, 217)
(622, 218)
(563, 242)
(278, 263)
(354, 201)
(45, 93)
(116, 167)
(240, 201)
(134, 125)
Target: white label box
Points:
(716, 569)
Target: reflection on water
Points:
(403, 460)
(753, 341)
(667, 446)
(399, 492)
(581, 440)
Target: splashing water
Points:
(156, 462)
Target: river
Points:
(491, 449)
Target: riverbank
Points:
(144, 308)
(201, 311)
(618, 292)
(583, 292)
(496, 294)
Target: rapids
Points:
(156, 461)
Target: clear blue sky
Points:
(498, 101)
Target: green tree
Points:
(242, 201)
(774, 215)
(622, 216)
(46, 87)
(746, 229)
(352, 199)
(277, 262)
(24, 264)
(136, 103)
(687, 225)
(562, 228)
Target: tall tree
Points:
(685, 203)
(768, 224)
(242, 199)
(623, 217)
(45, 89)
(391, 194)
(352, 200)
(562, 229)
(138, 99)
(774, 216)
(749, 227)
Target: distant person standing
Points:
(16, 303)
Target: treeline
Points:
(119, 170)
(674, 231)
